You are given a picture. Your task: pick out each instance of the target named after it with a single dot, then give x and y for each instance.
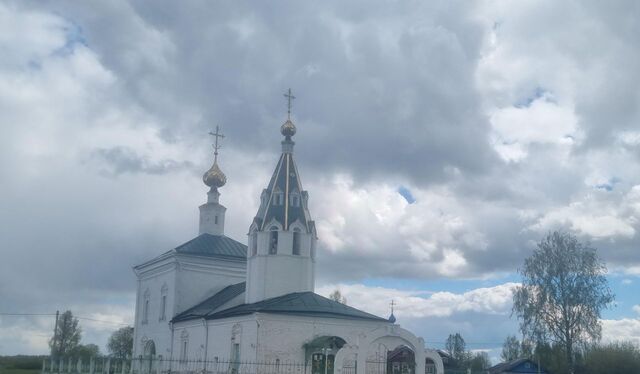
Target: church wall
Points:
(215, 339)
(154, 282)
(276, 275)
(296, 331)
(185, 281)
(201, 277)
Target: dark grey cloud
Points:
(397, 81)
(121, 160)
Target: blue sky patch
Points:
(406, 193)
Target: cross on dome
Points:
(288, 129)
(215, 145)
(214, 177)
(289, 97)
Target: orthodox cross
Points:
(393, 303)
(289, 97)
(216, 146)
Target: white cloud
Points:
(543, 121)
(625, 329)
(420, 304)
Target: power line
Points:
(53, 314)
(27, 314)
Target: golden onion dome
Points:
(214, 177)
(288, 129)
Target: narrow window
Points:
(145, 311)
(273, 241)
(295, 200)
(254, 243)
(184, 337)
(183, 351)
(163, 308)
(216, 220)
(296, 241)
(235, 362)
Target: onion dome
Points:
(288, 129)
(392, 318)
(214, 177)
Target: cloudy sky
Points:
(439, 141)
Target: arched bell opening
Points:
(321, 353)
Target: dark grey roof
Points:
(211, 304)
(297, 303)
(213, 245)
(514, 366)
(285, 181)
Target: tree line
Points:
(67, 336)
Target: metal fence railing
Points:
(159, 365)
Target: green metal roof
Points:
(285, 181)
(213, 245)
(297, 303)
(211, 304)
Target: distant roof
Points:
(516, 366)
(213, 245)
(297, 303)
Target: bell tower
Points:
(282, 237)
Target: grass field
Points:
(18, 371)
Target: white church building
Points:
(216, 299)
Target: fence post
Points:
(92, 365)
(69, 365)
(107, 366)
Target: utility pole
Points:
(55, 333)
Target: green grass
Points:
(19, 371)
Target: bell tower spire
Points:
(282, 237)
(212, 212)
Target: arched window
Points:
(254, 243)
(278, 197)
(296, 241)
(163, 302)
(273, 240)
(184, 345)
(145, 306)
(294, 198)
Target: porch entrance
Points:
(321, 351)
(401, 360)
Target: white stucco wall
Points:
(188, 281)
(272, 275)
(151, 281)
(267, 337)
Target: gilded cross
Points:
(216, 146)
(393, 303)
(289, 97)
